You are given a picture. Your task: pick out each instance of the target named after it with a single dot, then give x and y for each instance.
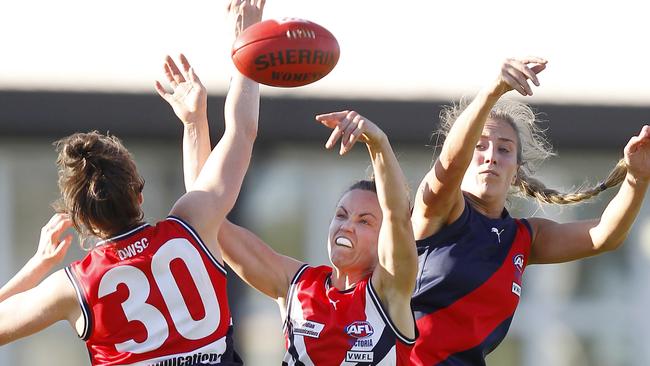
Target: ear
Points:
(140, 198)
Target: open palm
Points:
(189, 97)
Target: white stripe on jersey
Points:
(370, 291)
(290, 293)
(374, 317)
(82, 303)
(120, 236)
(295, 313)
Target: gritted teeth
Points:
(343, 241)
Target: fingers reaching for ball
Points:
(515, 74)
(188, 96)
(349, 127)
(244, 13)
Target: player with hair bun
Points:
(472, 253)
(145, 294)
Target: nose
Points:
(346, 225)
(490, 154)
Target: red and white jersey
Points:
(325, 326)
(154, 296)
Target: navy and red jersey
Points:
(468, 287)
(154, 296)
(326, 326)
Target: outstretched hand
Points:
(349, 127)
(188, 98)
(637, 155)
(515, 73)
(244, 13)
(51, 248)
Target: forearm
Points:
(391, 184)
(396, 250)
(28, 277)
(196, 149)
(464, 134)
(242, 106)
(619, 215)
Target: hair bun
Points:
(77, 152)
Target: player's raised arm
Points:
(394, 276)
(439, 200)
(252, 259)
(562, 242)
(189, 100)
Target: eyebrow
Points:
(504, 139)
(360, 215)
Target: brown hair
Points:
(364, 185)
(533, 148)
(99, 184)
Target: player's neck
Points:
(492, 208)
(343, 280)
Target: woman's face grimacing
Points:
(354, 231)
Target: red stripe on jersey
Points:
(467, 322)
(403, 351)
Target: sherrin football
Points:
(287, 53)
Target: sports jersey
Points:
(468, 287)
(154, 296)
(326, 326)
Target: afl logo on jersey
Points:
(359, 329)
(518, 261)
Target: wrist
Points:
(378, 142)
(493, 91)
(637, 181)
(198, 123)
(38, 263)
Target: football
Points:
(287, 53)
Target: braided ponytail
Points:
(535, 188)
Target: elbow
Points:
(608, 245)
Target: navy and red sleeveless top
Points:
(329, 327)
(154, 296)
(468, 287)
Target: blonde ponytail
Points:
(537, 189)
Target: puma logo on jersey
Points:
(496, 231)
(133, 249)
